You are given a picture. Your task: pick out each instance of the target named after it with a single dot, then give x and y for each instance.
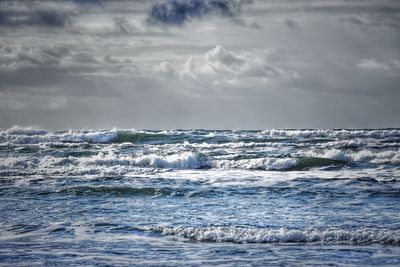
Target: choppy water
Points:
(128, 197)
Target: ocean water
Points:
(198, 197)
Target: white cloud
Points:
(221, 66)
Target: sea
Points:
(126, 197)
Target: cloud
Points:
(38, 13)
(383, 68)
(13, 58)
(221, 61)
(88, 2)
(43, 13)
(221, 67)
(56, 70)
(353, 19)
(51, 18)
(396, 63)
(178, 12)
(122, 25)
(374, 20)
(58, 57)
(373, 64)
(291, 24)
(309, 64)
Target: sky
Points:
(210, 64)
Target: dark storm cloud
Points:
(178, 12)
(52, 18)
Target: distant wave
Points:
(29, 151)
(29, 135)
(332, 133)
(265, 235)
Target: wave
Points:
(282, 235)
(125, 136)
(186, 160)
(195, 160)
(313, 162)
(108, 161)
(19, 135)
(30, 135)
(112, 164)
(119, 191)
(333, 134)
(102, 163)
(391, 156)
(268, 164)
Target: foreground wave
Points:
(282, 235)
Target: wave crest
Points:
(282, 235)
(186, 160)
(365, 155)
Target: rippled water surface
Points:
(196, 197)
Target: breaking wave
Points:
(245, 235)
(116, 164)
(119, 152)
(365, 155)
(18, 135)
(30, 135)
(186, 160)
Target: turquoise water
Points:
(197, 197)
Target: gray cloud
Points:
(383, 8)
(310, 63)
(41, 56)
(42, 13)
(291, 24)
(374, 20)
(121, 24)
